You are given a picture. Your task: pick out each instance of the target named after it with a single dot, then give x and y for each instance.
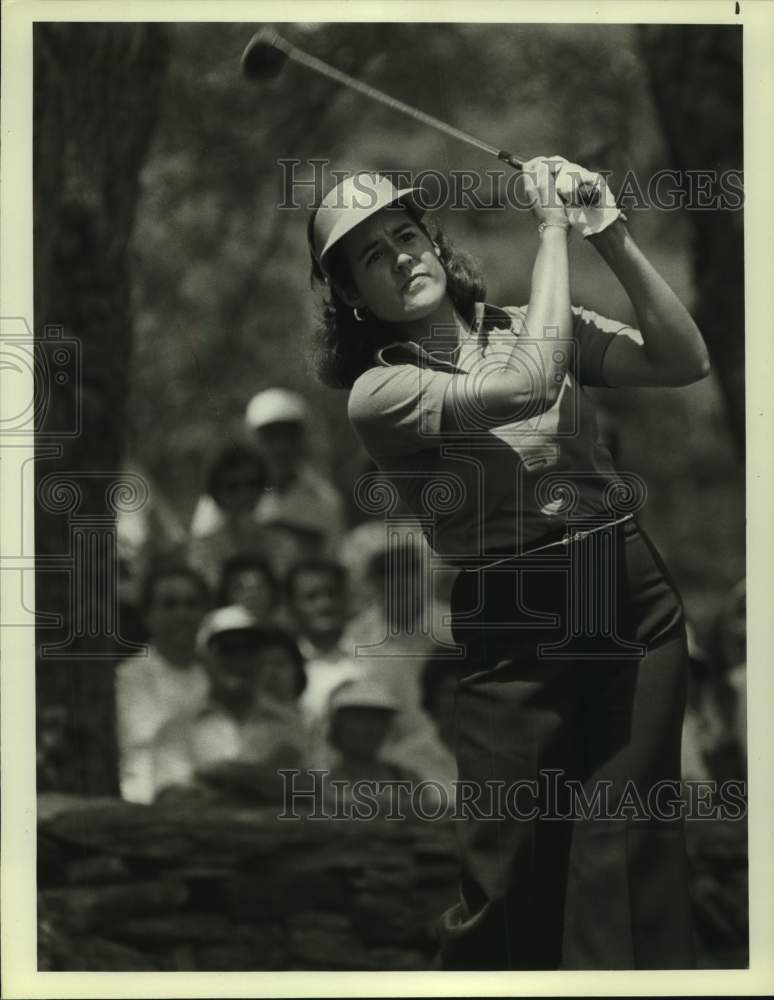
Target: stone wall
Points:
(205, 887)
(125, 888)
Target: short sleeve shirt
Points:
(484, 489)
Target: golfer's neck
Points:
(440, 331)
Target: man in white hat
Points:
(256, 675)
(299, 498)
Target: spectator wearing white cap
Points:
(361, 713)
(256, 676)
(299, 498)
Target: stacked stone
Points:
(128, 888)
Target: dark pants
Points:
(605, 889)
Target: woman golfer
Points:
(571, 689)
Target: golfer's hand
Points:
(538, 177)
(587, 219)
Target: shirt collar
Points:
(486, 317)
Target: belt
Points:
(576, 536)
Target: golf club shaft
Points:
(587, 193)
(318, 66)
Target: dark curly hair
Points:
(343, 348)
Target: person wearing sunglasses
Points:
(237, 479)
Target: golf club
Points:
(267, 52)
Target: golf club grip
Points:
(588, 194)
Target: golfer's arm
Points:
(525, 378)
(672, 351)
(549, 318)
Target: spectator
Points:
(249, 581)
(146, 534)
(361, 714)
(401, 625)
(274, 732)
(151, 690)
(251, 716)
(317, 601)
(236, 480)
(429, 749)
(300, 500)
(300, 503)
(369, 537)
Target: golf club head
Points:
(264, 56)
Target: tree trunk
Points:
(96, 97)
(696, 79)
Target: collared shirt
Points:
(149, 692)
(487, 488)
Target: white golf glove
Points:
(588, 220)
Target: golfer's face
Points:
(395, 270)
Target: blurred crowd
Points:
(282, 635)
(278, 636)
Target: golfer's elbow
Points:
(683, 356)
(692, 370)
(703, 365)
(495, 397)
(509, 397)
(698, 371)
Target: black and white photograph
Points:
(379, 442)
